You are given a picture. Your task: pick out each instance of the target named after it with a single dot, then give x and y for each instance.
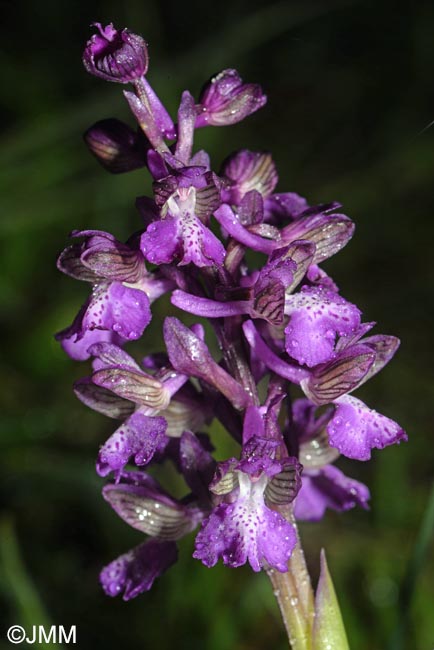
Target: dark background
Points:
(350, 88)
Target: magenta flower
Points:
(118, 308)
(244, 527)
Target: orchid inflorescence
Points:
(282, 322)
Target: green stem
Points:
(294, 594)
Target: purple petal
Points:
(355, 429)
(139, 437)
(263, 353)
(347, 341)
(76, 342)
(319, 278)
(251, 209)
(253, 424)
(228, 220)
(284, 206)
(135, 571)
(201, 246)
(207, 307)
(246, 531)
(107, 354)
(186, 120)
(317, 317)
(119, 308)
(197, 464)
(328, 488)
(305, 420)
(162, 241)
(294, 261)
(202, 159)
(258, 456)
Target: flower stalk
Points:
(294, 594)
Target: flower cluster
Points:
(279, 324)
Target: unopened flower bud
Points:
(190, 355)
(227, 100)
(116, 55)
(116, 146)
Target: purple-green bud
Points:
(116, 55)
(227, 100)
(190, 355)
(116, 146)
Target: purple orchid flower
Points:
(120, 388)
(118, 309)
(243, 527)
(186, 198)
(144, 505)
(324, 486)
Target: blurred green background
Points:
(350, 103)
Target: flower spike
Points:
(227, 248)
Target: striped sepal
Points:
(269, 303)
(340, 376)
(117, 262)
(207, 200)
(151, 517)
(103, 400)
(135, 386)
(284, 487)
(329, 233)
